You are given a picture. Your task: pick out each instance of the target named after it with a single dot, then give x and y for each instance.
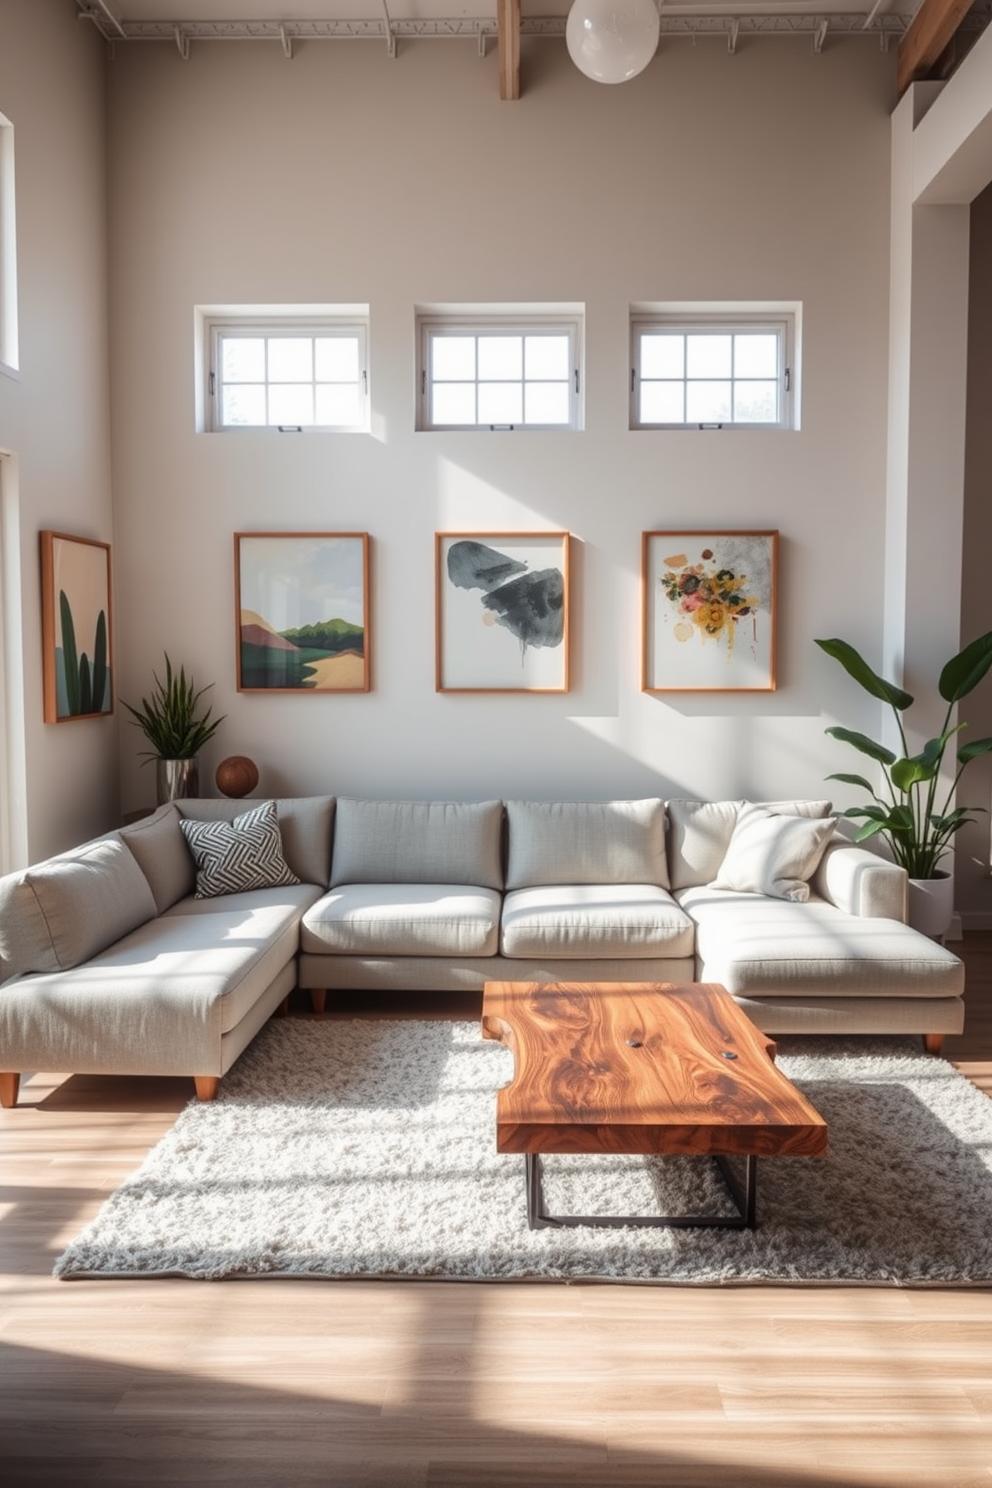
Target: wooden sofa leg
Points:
(10, 1084)
(282, 1011)
(206, 1086)
(933, 1042)
(318, 998)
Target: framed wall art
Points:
(709, 611)
(302, 611)
(502, 611)
(76, 636)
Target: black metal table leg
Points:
(745, 1201)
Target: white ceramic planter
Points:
(931, 904)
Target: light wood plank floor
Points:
(433, 1385)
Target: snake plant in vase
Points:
(176, 727)
(914, 815)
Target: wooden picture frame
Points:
(302, 612)
(76, 628)
(501, 611)
(709, 611)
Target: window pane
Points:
(290, 359)
(662, 403)
(546, 403)
(707, 402)
(547, 357)
(662, 356)
(708, 356)
(337, 358)
(452, 359)
(453, 403)
(500, 403)
(243, 404)
(755, 402)
(243, 359)
(291, 403)
(756, 355)
(501, 357)
(338, 403)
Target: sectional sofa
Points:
(164, 947)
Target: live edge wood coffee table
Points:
(660, 1068)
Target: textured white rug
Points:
(367, 1149)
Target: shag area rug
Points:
(368, 1149)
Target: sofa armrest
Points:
(861, 882)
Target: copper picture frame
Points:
(709, 611)
(501, 611)
(302, 612)
(76, 628)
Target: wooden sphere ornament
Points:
(236, 775)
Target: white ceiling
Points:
(144, 19)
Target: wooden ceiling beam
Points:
(931, 31)
(508, 32)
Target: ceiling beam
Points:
(931, 31)
(508, 30)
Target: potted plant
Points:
(917, 828)
(176, 732)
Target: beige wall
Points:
(973, 886)
(54, 416)
(344, 176)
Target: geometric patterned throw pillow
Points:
(245, 853)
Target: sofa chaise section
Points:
(114, 966)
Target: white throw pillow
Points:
(773, 855)
(232, 857)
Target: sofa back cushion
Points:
(160, 850)
(699, 834)
(305, 826)
(451, 842)
(61, 912)
(586, 842)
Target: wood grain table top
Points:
(648, 1067)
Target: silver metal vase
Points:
(176, 779)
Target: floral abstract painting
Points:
(75, 627)
(302, 605)
(502, 612)
(709, 611)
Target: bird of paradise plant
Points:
(908, 817)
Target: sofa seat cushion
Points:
(764, 947)
(629, 921)
(403, 920)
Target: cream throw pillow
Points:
(773, 855)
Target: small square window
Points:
(286, 373)
(498, 371)
(732, 367)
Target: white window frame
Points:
(9, 355)
(273, 322)
(781, 320)
(493, 320)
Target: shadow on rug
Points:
(368, 1149)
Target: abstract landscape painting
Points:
(502, 612)
(709, 611)
(302, 603)
(75, 596)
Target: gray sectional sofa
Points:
(110, 962)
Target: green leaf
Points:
(853, 780)
(964, 672)
(864, 744)
(856, 666)
(70, 656)
(973, 749)
(906, 773)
